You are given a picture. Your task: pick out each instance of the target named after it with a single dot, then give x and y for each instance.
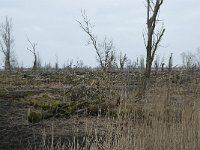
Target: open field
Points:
(91, 110)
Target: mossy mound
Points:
(45, 101)
(93, 109)
(77, 104)
(83, 107)
(35, 116)
(72, 108)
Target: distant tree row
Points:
(7, 45)
(106, 53)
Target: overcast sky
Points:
(51, 24)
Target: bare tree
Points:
(198, 57)
(48, 67)
(170, 63)
(68, 65)
(153, 36)
(79, 63)
(56, 63)
(104, 49)
(131, 65)
(33, 51)
(39, 61)
(162, 63)
(157, 63)
(141, 63)
(7, 42)
(122, 61)
(188, 60)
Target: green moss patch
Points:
(45, 102)
(35, 116)
(52, 105)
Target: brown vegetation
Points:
(91, 112)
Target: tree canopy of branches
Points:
(104, 49)
(7, 42)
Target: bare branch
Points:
(159, 38)
(33, 51)
(104, 49)
(33, 45)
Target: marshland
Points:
(120, 102)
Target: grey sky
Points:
(51, 23)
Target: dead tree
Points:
(188, 60)
(157, 63)
(104, 49)
(7, 43)
(142, 63)
(162, 64)
(170, 63)
(57, 64)
(33, 51)
(122, 61)
(153, 36)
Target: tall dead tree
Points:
(104, 49)
(33, 51)
(170, 63)
(7, 42)
(122, 61)
(153, 36)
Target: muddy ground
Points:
(17, 132)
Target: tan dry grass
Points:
(168, 118)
